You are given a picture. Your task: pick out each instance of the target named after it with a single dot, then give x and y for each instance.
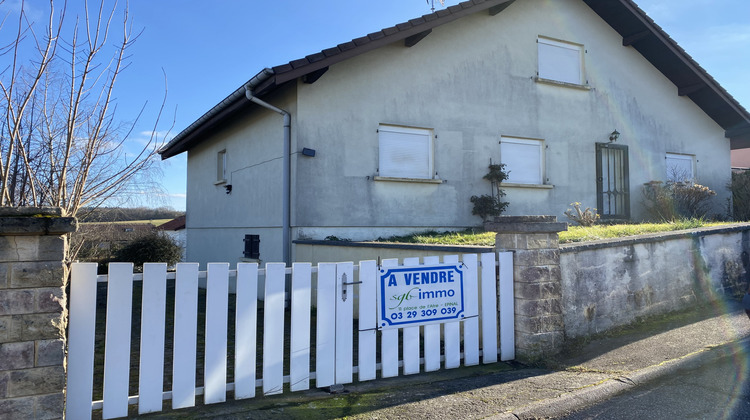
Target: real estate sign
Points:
(409, 296)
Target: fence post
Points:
(32, 311)
(539, 326)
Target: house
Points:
(740, 159)
(391, 133)
(175, 229)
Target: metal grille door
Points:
(612, 181)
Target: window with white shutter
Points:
(680, 168)
(560, 61)
(523, 159)
(405, 152)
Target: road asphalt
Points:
(588, 371)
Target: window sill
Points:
(533, 186)
(415, 180)
(562, 84)
(220, 182)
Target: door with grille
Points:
(612, 181)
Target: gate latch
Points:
(343, 286)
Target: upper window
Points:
(523, 159)
(221, 166)
(405, 152)
(560, 61)
(680, 168)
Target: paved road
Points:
(719, 390)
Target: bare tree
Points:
(60, 143)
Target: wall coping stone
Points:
(652, 238)
(30, 211)
(35, 221)
(36, 226)
(399, 245)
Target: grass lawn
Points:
(478, 237)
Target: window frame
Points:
(221, 167)
(541, 159)
(389, 175)
(551, 42)
(683, 157)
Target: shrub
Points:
(490, 205)
(586, 217)
(496, 174)
(154, 247)
(676, 200)
(740, 187)
(487, 205)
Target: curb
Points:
(569, 403)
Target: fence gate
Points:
(329, 323)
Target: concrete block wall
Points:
(612, 283)
(32, 312)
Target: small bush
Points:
(586, 217)
(740, 187)
(154, 247)
(487, 205)
(496, 173)
(490, 205)
(676, 200)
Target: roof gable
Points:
(624, 16)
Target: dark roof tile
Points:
(347, 46)
(283, 68)
(417, 21)
(361, 40)
(376, 35)
(390, 31)
(299, 63)
(315, 57)
(328, 52)
(454, 9)
(403, 26)
(443, 13)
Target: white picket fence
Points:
(334, 336)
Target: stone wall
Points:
(32, 312)
(611, 283)
(539, 327)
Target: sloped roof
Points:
(624, 16)
(175, 224)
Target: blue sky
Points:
(209, 49)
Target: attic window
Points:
(560, 61)
(405, 152)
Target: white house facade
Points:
(393, 132)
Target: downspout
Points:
(286, 176)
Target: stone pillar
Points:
(32, 312)
(539, 326)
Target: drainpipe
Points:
(286, 178)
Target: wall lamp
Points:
(308, 152)
(614, 136)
